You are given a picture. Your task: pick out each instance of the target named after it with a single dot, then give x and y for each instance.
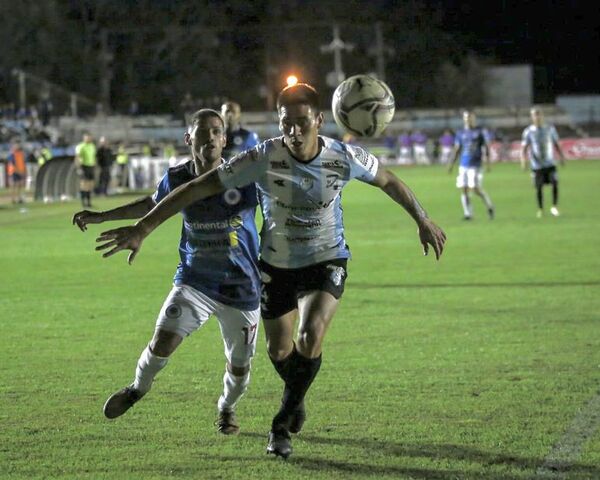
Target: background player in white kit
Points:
(538, 143)
(471, 145)
(218, 273)
(300, 176)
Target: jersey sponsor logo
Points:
(331, 181)
(209, 226)
(297, 222)
(283, 165)
(333, 164)
(311, 238)
(215, 243)
(232, 196)
(281, 204)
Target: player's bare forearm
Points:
(136, 209)
(198, 189)
(398, 191)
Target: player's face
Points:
(300, 125)
(208, 139)
(537, 117)
(469, 119)
(231, 114)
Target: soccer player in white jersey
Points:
(218, 273)
(300, 176)
(470, 144)
(538, 143)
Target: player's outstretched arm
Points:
(429, 232)
(131, 237)
(136, 209)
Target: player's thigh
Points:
(474, 177)
(321, 291)
(239, 329)
(184, 311)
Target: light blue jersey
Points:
(300, 201)
(540, 141)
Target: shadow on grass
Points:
(366, 286)
(442, 453)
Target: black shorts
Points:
(282, 287)
(17, 177)
(87, 173)
(544, 175)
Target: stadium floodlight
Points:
(291, 80)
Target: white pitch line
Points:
(568, 448)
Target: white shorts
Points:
(471, 177)
(186, 309)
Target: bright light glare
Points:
(292, 80)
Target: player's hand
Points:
(431, 234)
(84, 217)
(123, 238)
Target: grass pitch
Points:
(480, 366)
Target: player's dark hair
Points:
(301, 93)
(205, 113)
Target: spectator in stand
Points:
(419, 140)
(446, 142)
(17, 172)
(105, 159)
(405, 147)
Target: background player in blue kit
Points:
(300, 176)
(218, 273)
(538, 143)
(470, 144)
(238, 138)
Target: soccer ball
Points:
(363, 106)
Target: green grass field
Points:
(475, 367)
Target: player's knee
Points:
(237, 370)
(277, 351)
(309, 341)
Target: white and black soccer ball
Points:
(363, 106)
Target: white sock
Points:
(466, 204)
(487, 200)
(233, 389)
(147, 367)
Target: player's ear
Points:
(320, 119)
(187, 138)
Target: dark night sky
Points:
(560, 38)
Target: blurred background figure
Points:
(405, 147)
(419, 141)
(17, 172)
(105, 159)
(446, 142)
(85, 160)
(122, 164)
(238, 138)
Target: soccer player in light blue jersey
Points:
(238, 137)
(470, 144)
(300, 176)
(218, 273)
(538, 143)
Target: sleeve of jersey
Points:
(554, 134)
(244, 168)
(162, 189)
(363, 165)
